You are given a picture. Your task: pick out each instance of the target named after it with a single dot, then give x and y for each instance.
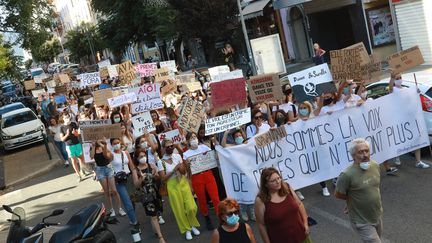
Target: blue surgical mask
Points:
(345, 90)
(117, 120)
(233, 219)
(304, 112)
(239, 140)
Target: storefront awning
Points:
(254, 9)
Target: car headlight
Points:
(41, 128)
(4, 136)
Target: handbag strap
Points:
(122, 158)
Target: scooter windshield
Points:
(21, 212)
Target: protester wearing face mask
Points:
(238, 135)
(116, 117)
(148, 143)
(204, 181)
(359, 185)
(329, 103)
(172, 170)
(395, 86)
(230, 229)
(258, 126)
(149, 189)
(127, 139)
(347, 94)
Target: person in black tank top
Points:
(230, 229)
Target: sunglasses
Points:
(257, 117)
(229, 214)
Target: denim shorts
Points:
(103, 172)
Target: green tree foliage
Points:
(9, 63)
(47, 52)
(78, 41)
(28, 64)
(30, 19)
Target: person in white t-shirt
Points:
(258, 126)
(348, 95)
(329, 103)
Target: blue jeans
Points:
(62, 147)
(127, 203)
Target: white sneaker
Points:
(161, 220)
(195, 231)
(188, 235)
(397, 161)
(422, 165)
(325, 192)
(112, 212)
(300, 195)
(122, 212)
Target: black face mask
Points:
(169, 150)
(288, 92)
(327, 101)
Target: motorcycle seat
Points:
(76, 225)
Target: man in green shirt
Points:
(359, 185)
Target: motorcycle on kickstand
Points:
(87, 225)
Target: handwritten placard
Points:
(103, 73)
(92, 123)
(264, 88)
(142, 122)
(203, 162)
(122, 100)
(404, 60)
(270, 136)
(171, 65)
(126, 72)
(93, 133)
(345, 64)
(101, 96)
(216, 71)
(185, 78)
(90, 79)
(228, 121)
(174, 135)
(64, 78)
(362, 53)
(146, 69)
(29, 84)
(168, 86)
(62, 89)
(161, 74)
(228, 92)
(104, 63)
(112, 71)
(191, 115)
(148, 98)
(194, 86)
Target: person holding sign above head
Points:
(281, 216)
(173, 172)
(230, 229)
(395, 86)
(359, 185)
(160, 126)
(127, 139)
(258, 126)
(329, 103)
(204, 181)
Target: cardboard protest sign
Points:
(29, 84)
(93, 133)
(90, 123)
(372, 71)
(271, 136)
(64, 78)
(122, 100)
(312, 82)
(171, 65)
(191, 115)
(264, 88)
(404, 60)
(112, 71)
(215, 71)
(362, 53)
(126, 72)
(324, 154)
(60, 89)
(90, 79)
(148, 98)
(168, 87)
(51, 84)
(60, 99)
(345, 64)
(101, 96)
(228, 92)
(229, 75)
(161, 74)
(146, 69)
(174, 135)
(226, 122)
(104, 63)
(203, 162)
(185, 78)
(194, 86)
(103, 73)
(38, 93)
(143, 122)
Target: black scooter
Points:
(87, 225)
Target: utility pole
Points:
(246, 37)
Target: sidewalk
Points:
(25, 163)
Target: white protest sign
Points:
(146, 69)
(88, 79)
(215, 71)
(229, 75)
(38, 79)
(142, 122)
(171, 65)
(50, 90)
(312, 82)
(228, 121)
(203, 162)
(112, 71)
(86, 147)
(122, 100)
(149, 98)
(174, 135)
(317, 150)
(104, 63)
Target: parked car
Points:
(9, 90)
(52, 67)
(36, 72)
(11, 107)
(20, 128)
(73, 69)
(424, 84)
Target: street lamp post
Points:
(246, 37)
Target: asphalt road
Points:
(406, 201)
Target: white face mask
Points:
(143, 160)
(365, 165)
(364, 94)
(116, 147)
(263, 110)
(398, 82)
(194, 143)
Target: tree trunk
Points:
(178, 52)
